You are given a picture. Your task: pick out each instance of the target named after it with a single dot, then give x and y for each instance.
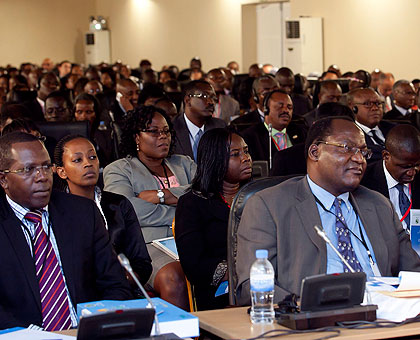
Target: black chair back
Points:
(236, 210)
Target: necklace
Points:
(166, 179)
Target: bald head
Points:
(386, 81)
(403, 137)
(329, 92)
(129, 90)
(286, 79)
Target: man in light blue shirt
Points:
(361, 224)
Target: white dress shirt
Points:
(193, 129)
(369, 132)
(394, 193)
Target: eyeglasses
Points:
(370, 104)
(366, 153)
(157, 133)
(56, 109)
(30, 171)
(203, 96)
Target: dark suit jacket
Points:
(301, 104)
(125, 233)
(384, 126)
(257, 139)
(183, 144)
(290, 161)
(90, 267)
(374, 178)
(294, 248)
(247, 120)
(200, 235)
(395, 116)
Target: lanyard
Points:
(411, 203)
(361, 239)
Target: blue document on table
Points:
(415, 230)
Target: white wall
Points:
(357, 33)
(32, 30)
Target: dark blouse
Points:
(201, 239)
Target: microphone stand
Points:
(324, 236)
(270, 153)
(126, 264)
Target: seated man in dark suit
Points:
(199, 101)
(396, 177)
(55, 251)
(225, 107)
(260, 87)
(404, 96)
(291, 161)
(329, 92)
(47, 84)
(301, 103)
(281, 219)
(278, 109)
(368, 112)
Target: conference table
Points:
(234, 323)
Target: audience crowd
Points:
(106, 159)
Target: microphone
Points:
(270, 153)
(126, 264)
(324, 236)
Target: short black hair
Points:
(320, 130)
(139, 119)
(212, 161)
(192, 86)
(403, 137)
(61, 94)
(20, 124)
(6, 142)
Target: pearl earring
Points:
(137, 147)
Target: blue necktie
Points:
(344, 242)
(196, 142)
(404, 204)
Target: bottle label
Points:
(262, 283)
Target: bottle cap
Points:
(261, 253)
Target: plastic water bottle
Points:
(262, 288)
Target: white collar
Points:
(365, 128)
(192, 127)
(390, 181)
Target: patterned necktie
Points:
(196, 142)
(54, 299)
(281, 140)
(344, 242)
(404, 204)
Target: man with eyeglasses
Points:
(199, 103)
(368, 112)
(57, 107)
(55, 251)
(404, 96)
(361, 223)
(396, 176)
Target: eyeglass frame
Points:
(157, 132)
(378, 104)
(203, 96)
(31, 171)
(349, 150)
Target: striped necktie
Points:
(281, 140)
(54, 299)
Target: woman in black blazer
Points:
(77, 164)
(201, 217)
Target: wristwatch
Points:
(161, 196)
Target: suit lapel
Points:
(367, 213)
(61, 225)
(309, 215)
(183, 136)
(12, 229)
